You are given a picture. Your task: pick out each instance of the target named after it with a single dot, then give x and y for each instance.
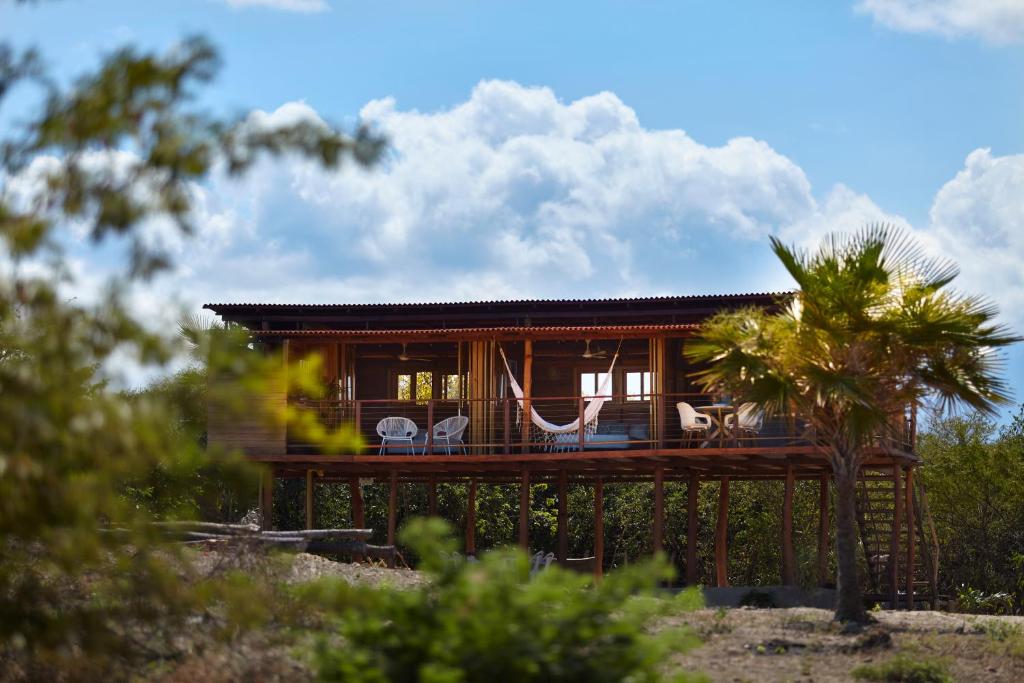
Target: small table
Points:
(717, 412)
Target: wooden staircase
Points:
(886, 553)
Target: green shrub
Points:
(974, 601)
(492, 621)
(903, 669)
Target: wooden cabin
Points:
(441, 366)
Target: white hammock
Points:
(590, 412)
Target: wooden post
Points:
(823, 530)
(563, 519)
(598, 529)
(471, 519)
(507, 430)
(358, 514)
(359, 421)
(309, 499)
(659, 508)
(267, 499)
(788, 557)
(432, 497)
(527, 393)
(429, 448)
(692, 491)
(722, 535)
(392, 507)
(580, 432)
(909, 507)
(524, 510)
(894, 543)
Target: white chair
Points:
(540, 561)
(449, 433)
(692, 423)
(747, 422)
(396, 430)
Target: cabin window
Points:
(590, 382)
(418, 386)
(404, 392)
(450, 387)
(638, 385)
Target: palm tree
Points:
(872, 329)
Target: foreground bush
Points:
(491, 621)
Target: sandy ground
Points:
(801, 644)
(743, 644)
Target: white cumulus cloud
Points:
(306, 6)
(994, 21)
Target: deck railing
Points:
(625, 422)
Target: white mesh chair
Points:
(448, 433)
(747, 422)
(694, 425)
(396, 430)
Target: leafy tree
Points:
(872, 329)
(117, 153)
(974, 474)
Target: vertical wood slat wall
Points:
(656, 356)
(481, 386)
(240, 420)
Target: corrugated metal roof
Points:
(611, 330)
(499, 302)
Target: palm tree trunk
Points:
(849, 600)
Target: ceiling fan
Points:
(403, 356)
(596, 353)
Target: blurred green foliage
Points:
(489, 621)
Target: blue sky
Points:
(575, 148)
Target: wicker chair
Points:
(396, 430)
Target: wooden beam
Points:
(692, 492)
(788, 557)
(598, 529)
(392, 506)
(524, 510)
(659, 508)
(267, 499)
(309, 499)
(909, 507)
(563, 518)
(722, 535)
(358, 513)
(432, 496)
(894, 541)
(471, 519)
(527, 393)
(823, 530)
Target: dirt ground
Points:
(801, 644)
(744, 644)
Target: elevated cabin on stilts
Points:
(572, 391)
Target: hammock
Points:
(590, 412)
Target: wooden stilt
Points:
(693, 490)
(471, 519)
(524, 510)
(392, 506)
(358, 513)
(657, 541)
(911, 538)
(527, 392)
(309, 499)
(432, 497)
(823, 530)
(563, 517)
(267, 499)
(598, 529)
(722, 535)
(788, 556)
(894, 543)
